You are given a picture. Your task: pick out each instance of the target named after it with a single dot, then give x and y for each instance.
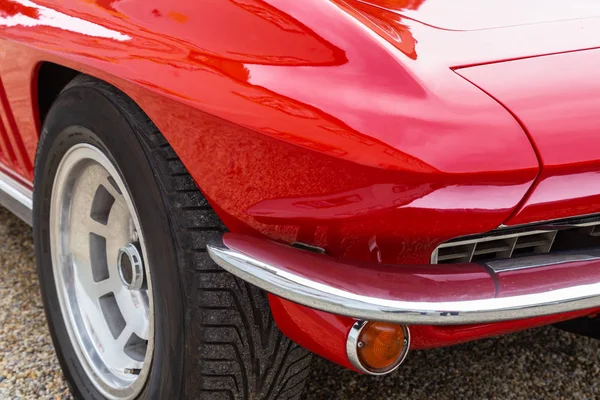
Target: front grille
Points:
(519, 242)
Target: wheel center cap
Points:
(130, 266)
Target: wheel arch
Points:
(50, 80)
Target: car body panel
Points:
(556, 98)
(468, 15)
(284, 146)
(432, 48)
(334, 123)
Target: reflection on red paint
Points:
(177, 17)
(10, 8)
(355, 203)
(391, 26)
(106, 4)
(322, 333)
(25, 13)
(469, 15)
(559, 109)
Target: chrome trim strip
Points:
(352, 345)
(337, 300)
(543, 260)
(16, 198)
(560, 222)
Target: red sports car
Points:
(218, 188)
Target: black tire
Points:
(215, 336)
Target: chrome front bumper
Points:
(416, 294)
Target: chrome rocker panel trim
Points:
(284, 277)
(17, 198)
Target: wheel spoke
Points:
(121, 341)
(115, 354)
(91, 226)
(94, 290)
(109, 185)
(110, 285)
(131, 304)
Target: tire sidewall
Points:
(108, 127)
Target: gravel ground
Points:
(537, 364)
(28, 365)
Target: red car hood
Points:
(468, 15)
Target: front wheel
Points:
(136, 308)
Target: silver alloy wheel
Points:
(111, 325)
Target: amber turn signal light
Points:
(377, 347)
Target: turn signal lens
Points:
(381, 346)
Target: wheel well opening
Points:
(51, 80)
